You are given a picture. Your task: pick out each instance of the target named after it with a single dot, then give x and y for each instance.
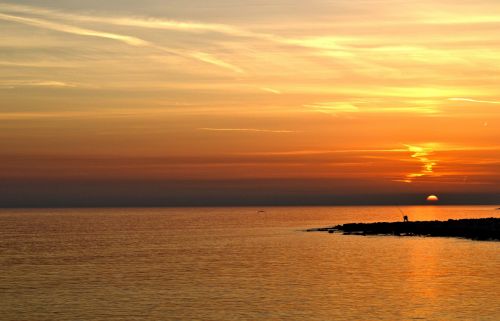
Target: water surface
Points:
(239, 264)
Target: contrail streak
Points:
(133, 41)
(474, 100)
(247, 130)
(130, 40)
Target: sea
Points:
(241, 263)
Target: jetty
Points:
(475, 229)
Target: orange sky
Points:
(253, 100)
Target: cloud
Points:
(474, 100)
(422, 155)
(130, 40)
(153, 23)
(324, 152)
(247, 130)
(87, 113)
(443, 18)
(37, 83)
(323, 43)
(35, 115)
(52, 84)
(150, 23)
(36, 64)
(335, 108)
(367, 63)
(133, 41)
(271, 90)
(208, 58)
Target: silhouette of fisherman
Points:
(405, 217)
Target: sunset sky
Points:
(223, 102)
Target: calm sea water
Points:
(238, 264)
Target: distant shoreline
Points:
(260, 206)
(475, 229)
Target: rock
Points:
(476, 229)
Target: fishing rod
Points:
(405, 217)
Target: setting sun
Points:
(432, 198)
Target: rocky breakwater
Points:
(475, 228)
